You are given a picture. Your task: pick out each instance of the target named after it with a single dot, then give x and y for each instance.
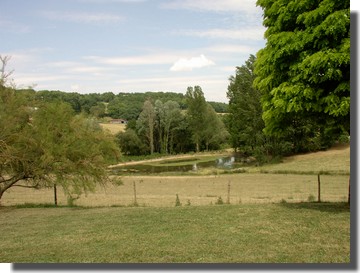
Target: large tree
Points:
(245, 113)
(46, 144)
(204, 124)
(303, 72)
(196, 113)
(168, 117)
(146, 124)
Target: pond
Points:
(184, 165)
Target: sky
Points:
(97, 46)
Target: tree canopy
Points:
(42, 144)
(245, 113)
(303, 72)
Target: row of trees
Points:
(166, 128)
(122, 105)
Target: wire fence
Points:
(162, 191)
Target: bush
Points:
(219, 201)
(311, 198)
(177, 201)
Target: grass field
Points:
(160, 191)
(251, 187)
(113, 128)
(333, 161)
(246, 233)
(270, 219)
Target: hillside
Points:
(333, 161)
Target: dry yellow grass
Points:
(160, 191)
(335, 160)
(113, 128)
(252, 187)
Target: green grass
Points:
(247, 233)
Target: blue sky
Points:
(129, 45)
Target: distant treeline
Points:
(122, 105)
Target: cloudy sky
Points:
(129, 45)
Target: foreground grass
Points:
(251, 233)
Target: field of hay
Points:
(254, 186)
(113, 128)
(161, 191)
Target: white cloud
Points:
(248, 6)
(230, 48)
(189, 64)
(252, 33)
(82, 17)
(150, 59)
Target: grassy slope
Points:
(334, 161)
(252, 233)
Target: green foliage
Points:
(303, 72)
(244, 119)
(219, 107)
(196, 114)
(204, 124)
(48, 144)
(130, 143)
(162, 127)
(145, 124)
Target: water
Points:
(220, 163)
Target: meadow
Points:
(246, 233)
(273, 217)
(293, 180)
(113, 128)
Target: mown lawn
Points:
(245, 233)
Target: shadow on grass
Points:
(338, 207)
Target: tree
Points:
(47, 144)
(215, 132)
(146, 123)
(196, 113)
(303, 72)
(168, 119)
(5, 75)
(98, 110)
(245, 113)
(130, 143)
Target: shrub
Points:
(311, 198)
(219, 201)
(177, 201)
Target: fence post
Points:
(55, 195)
(349, 193)
(135, 201)
(228, 197)
(319, 189)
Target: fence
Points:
(198, 190)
